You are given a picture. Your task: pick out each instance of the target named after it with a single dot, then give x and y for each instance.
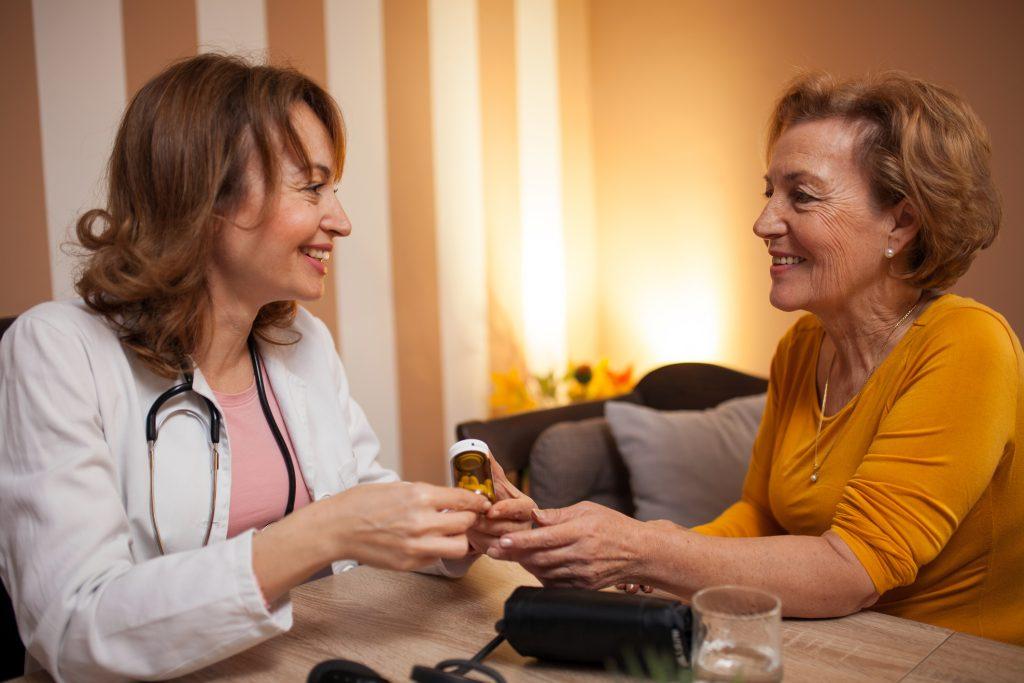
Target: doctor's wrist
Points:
(323, 535)
(288, 552)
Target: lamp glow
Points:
(540, 182)
(684, 324)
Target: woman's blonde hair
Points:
(176, 171)
(919, 142)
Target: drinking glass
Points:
(736, 635)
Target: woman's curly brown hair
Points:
(920, 142)
(176, 171)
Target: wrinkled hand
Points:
(510, 513)
(582, 546)
(402, 525)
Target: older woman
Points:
(887, 471)
(128, 559)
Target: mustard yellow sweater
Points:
(923, 474)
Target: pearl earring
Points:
(889, 252)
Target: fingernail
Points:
(505, 542)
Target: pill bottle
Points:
(471, 468)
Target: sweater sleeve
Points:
(86, 609)
(947, 429)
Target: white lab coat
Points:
(94, 598)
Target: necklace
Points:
(824, 394)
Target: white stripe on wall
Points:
(458, 190)
(540, 186)
(233, 26)
(80, 66)
(355, 76)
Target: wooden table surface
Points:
(391, 621)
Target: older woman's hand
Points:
(582, 546)
(510, 513)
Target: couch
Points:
(568, 454)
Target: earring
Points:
(889, 252)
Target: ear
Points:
(906, 224)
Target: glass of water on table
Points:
(736, 635)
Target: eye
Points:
(768, 192)
(314, 188)
(801, 197)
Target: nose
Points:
(335, 220)
(770, 224)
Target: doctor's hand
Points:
(511, 512)
(403, 525)
(394, 526)
(582, 546)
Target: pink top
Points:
(259, 480)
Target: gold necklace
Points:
(824, 394)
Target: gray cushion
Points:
(574, 461)
(687, 465)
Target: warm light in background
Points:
(682, 323)
(540, 186)
(668, 291)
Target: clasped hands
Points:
(585, 545)
(582, 546)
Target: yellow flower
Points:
(623, 381)
(510, 394)
(607, 383)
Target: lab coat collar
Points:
(292, 398)
(291, 393)
(290, 390)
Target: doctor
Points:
(128, 559)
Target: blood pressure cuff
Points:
(590, 627)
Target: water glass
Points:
(736, 635)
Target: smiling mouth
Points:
(321, 255)
(786, 260)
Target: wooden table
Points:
(390, 621)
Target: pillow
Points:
(686, 466)
(574, 461)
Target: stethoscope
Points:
(216, 420)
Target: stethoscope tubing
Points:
(216, 420)
(257, 370)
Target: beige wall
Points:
(414, 257)
(156, 33)
(654, 110)
(681, 93)
(24, 259)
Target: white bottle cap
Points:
(467, 445)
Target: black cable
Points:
(464, 665)
(452, 670)
(488, 648)
(461, 666)
(257, 370)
